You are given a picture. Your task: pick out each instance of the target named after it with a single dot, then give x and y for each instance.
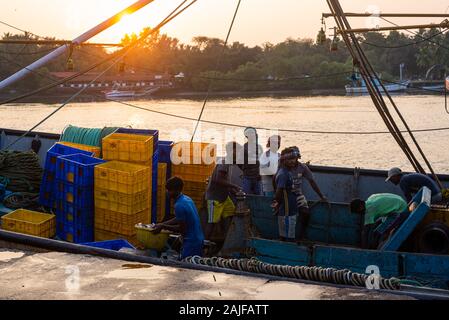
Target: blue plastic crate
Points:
(69, 213)
(144, 132)
(115, 245)
(74, 233)
(47, 190)
(79, 196)
(61, 150)
(164, 149)
(77, 169)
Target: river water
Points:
(318, 113)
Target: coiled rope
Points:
(316, 274)
(86, 136)
(20, 171)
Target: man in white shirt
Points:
(269, 165)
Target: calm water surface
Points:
(330, 113)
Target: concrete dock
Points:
(54, 275)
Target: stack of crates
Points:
(154, 161)
(164, 173)
(161, 193)
(194, 163)
(75, 197)
(48, 189)
(123, 186)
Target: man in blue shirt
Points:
(186, 221)
(410, 184)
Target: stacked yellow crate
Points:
(161, 192)
(196, 163)
(123, 187)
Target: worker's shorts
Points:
(287, 226)
(218, 211)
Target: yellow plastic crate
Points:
(95, 150)
(193, 172)
(122, 177)
(118, 222)
(151, 240)
(128, 147)
(194, 153)
(30, 222)
(161, 174)
(161, 200)
(122, 202)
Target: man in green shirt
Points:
(376, 210)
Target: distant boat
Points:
(116, 93)
(358, 86)
(120, 94)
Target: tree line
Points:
(294, 64)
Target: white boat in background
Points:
(116, 93)
(358, 86)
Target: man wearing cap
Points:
(376, 210)
(412, 183)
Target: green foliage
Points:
(266, 67)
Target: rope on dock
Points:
(316, 274)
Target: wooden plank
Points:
(414, 219)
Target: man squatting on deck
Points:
(186, 221)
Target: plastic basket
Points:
(77, 169)
(122, 177)
(151, 240)
(95, 150)
(103, 235)
(118, 222)
(78, 196)
(143, 132)
(165, 148)
(193, 172)
(69, 213)
(61, 150)
(128, 147)
(47, 190)
(193, 153)
(154, 179)
(115, 245)
(75, 233)
(122, 202)
(30, 222)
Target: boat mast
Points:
(82, 38)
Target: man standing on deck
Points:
(376, 210)
(221, 189)
(410, 184)
(269, 165)
(186, 221)
(289, 184)
(252, 181)
(300, 172)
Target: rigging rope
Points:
(105, 60)
(371, 78)
(225, 45)
(20, 171)
(316, 274)
(405, 45)
(127, 50)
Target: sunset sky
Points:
(259, 21)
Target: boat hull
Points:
(364, 90)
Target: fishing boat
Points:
(417, 253)
(358, 86)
